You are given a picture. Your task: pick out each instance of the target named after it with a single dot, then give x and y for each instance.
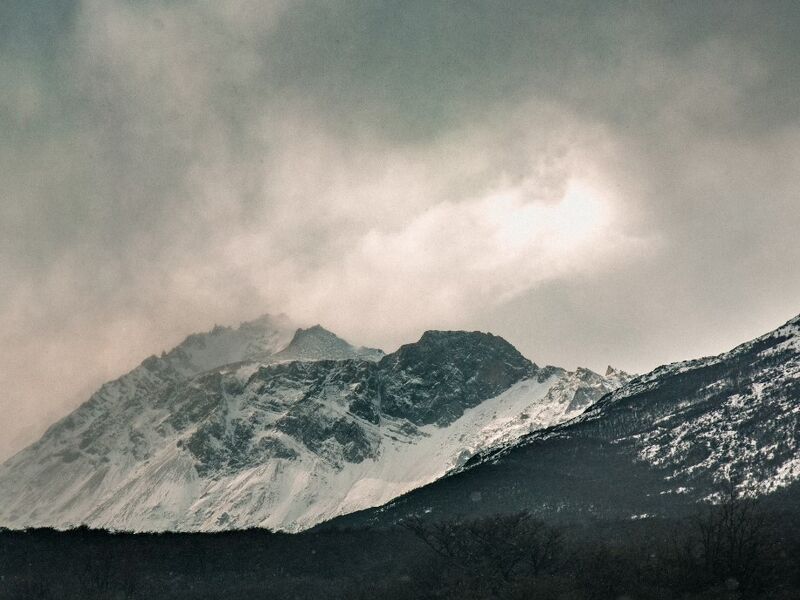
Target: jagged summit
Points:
(618, 376)
(317, 343)
(251, 341)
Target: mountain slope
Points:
(657, 445)
(181, 443)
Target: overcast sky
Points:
(597, 182)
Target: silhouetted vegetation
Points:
(488, 555)
(732, 550)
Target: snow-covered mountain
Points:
(317, 343)
(270, 425)
(657, 445)
(257, 340)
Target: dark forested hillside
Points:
(738, 549)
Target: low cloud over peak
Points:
(596, 183)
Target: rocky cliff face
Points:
(445, 372)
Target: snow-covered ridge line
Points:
(731, 417)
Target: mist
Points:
(614, 184)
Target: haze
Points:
(596, 182)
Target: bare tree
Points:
(725, 546)
(732, 538)
(493, 549)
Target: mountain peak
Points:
(618, 373)
(316, 343)
(436, 346)
(316, 331)
(470, 365)
(458, 338)
(443, 334)
(220, 346)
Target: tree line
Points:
(734, 549)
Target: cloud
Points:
(425, 237)
(599, 183)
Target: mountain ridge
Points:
(657, 445)
(283, 444)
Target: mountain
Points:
(251, 341)
(269, 425)
(317, 343)
(658, 445)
